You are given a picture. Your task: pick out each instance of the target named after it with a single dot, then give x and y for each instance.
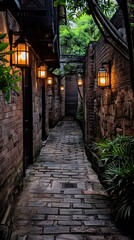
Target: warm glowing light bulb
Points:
(62, 88)
(42, 74)
(80, 82)
(49, 81)
(23, 56)
(102, 80)
(20, 56)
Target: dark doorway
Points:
(27, 118)
(71, 96)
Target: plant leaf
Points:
(2, 35)
(3, 46)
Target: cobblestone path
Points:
(62, 198)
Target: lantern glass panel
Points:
(42, 72)
(80, 82)
(20, 57)
(49, 81)
(103, 78)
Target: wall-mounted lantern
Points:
(49, 80)
(79, 80)
(104, 75)
(61, 87)
(20, 47)
(42, 72)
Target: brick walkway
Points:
(62, 198)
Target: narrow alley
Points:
(62, 198)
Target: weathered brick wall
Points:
(46, 103)
(11, 127)
(37, 108)
(62, 98)
(116, 104)
(11, 141)
(111, 109)
(54, 103)
(80, 95)
(89, 95)
(11, 147)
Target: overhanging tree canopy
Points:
(108, 30)
(75, 37)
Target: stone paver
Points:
(62, 198)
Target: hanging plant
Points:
(8, 76)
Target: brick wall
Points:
(116, 104)
(11, 140)
(11, 126)
(54, 103)
(11, 147)
(111, 109)
(89, 94)
(62, 98)
(37, 108)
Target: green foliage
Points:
(3, 46)
(68, 68)
(8, 81)
(108, 7)
(119, 179)
(76, 8)
(75, 38)
(117, 159)
(80, 113)
(8, 76)
(73, 5)
(131, 15)
(81, 28)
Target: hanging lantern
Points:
(20, 48)
(20, 57)
(42, 72)
(103, 78)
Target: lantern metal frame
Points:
(104, 74)
(20, 48)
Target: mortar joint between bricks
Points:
(58, 211)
